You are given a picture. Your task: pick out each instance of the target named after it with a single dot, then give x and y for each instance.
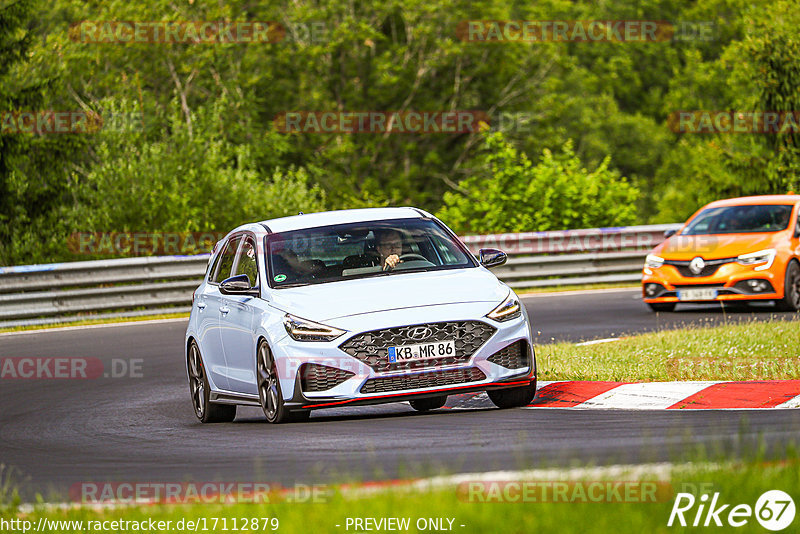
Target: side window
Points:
(246, 263)
(226, 260)
(212, 267)
(797, 224)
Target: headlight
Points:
(305, 330)
(653, 262)
(507, 310)
(765, 257)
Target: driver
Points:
(389, 245)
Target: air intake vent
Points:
(430, 379)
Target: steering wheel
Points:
(411, 256)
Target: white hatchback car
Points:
(353, 307)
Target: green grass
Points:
(737, 483)
(743, 351)
(577, 287)
(90, 321)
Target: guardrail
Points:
(43, 294)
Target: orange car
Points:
(739, 249)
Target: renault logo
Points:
(697, 265)
(419, 333)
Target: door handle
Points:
(224, 310)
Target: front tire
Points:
(791, 289)
(432, 403)
(513, 397)
(204, 410)
(662, 306)
(269, 389)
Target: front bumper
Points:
(505, 359)
(731, 282)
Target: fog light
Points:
(757, 285)
(651, 289)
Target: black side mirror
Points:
(238, 285)
(669, 233)
(490, 257)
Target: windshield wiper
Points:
(294, 284)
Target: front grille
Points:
(372, 347)
(709, 269)
(430, 379)
(698, 286)
(511, 357)
(315, 377)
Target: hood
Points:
(332, 300)
(679, 247)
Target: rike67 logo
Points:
(774, 510)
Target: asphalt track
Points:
(57, 433)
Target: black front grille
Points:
(709, 269)
(430, 379)
(315, 377)
(511, 357)
(372, 347)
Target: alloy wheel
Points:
(267, 382)
(197, 381)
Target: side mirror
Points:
(238, 285)
(669, 233)
(490, 257)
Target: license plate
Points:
(422, 351)
(697, 294)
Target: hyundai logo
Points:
(697, 265)
(419, 333)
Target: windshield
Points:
(358, 250)
(740, 220)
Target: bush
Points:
(511, 194)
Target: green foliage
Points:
(208, 149)
(755, 68)
(187, 181)
(512, 194)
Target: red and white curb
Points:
(709, 395)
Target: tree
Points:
(511, 194)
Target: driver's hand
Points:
(391, 262)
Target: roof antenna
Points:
(301, 213)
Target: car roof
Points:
(327, 218)
(761, 199)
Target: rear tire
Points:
(791, 289)
(204, 410)
(662, 306)
(433, 403)
(513, 397)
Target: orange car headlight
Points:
(762, 258)
(653, 262)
